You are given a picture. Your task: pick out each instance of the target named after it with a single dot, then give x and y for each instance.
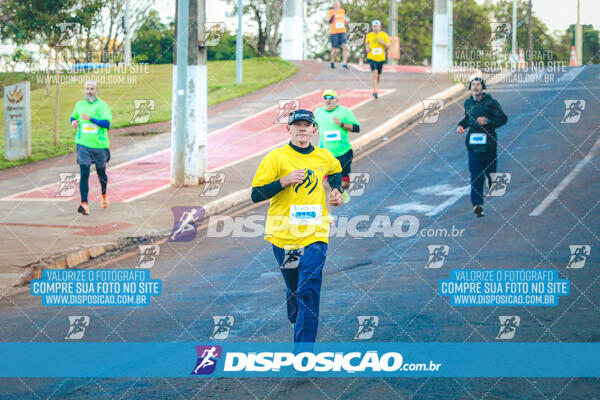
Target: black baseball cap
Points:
(301, 115)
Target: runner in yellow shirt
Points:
(376, 43)
(337, 20)
(297, 221)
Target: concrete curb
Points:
(405, 118)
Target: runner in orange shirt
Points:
(337, 20)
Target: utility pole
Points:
(530, 22)
(450, 34)
(127, 42)
(578, 39)
(189, 104)
(514, 30)
(292, 36)
(439, 48)
(393, 25)
(239, 47)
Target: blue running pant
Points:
(303, 289)
(481, 166)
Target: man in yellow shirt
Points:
(337, 20)
(376, 43)
(297, 221)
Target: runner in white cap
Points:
(376, 43)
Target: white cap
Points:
(376, 22)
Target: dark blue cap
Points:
(301, 115)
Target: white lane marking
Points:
(435, 190)
(566, 181)
(571, 74)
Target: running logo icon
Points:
(212, 33)
(498, 183)
(366, 326)
(579, 255)
(508, 327)
(207, 359)
(67, 36)
(357, 32)
(500, 32)
(431, 110)
(186, 222)
(77, 327)
(573, 111)
(437, 255)
(212, 183)
(310, 179)
(142, 109)
(68, 184)
(148, 254)
(358, 183)
(223, 324)
(291, 258)
(286, 106)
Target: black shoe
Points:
(346, 66)
(375, 95)
(83, 210)
(478, 210)
(332, 65)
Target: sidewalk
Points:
(37, 226)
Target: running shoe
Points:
(83, 209)
(332, 65)
(346, 196)
(105, 202)
(478, 210)
(346, 66)
(374, 95)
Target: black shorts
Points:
(88, 155)
(346, 162)
(376, 65)
(337, 39)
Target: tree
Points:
(154, 40)
(225, 50)
(266, 14)
(590, 43)
(53, 23)
(544, 44)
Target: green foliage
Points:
(590, 43)
(154, 40)
(225, 50)
(27, 21)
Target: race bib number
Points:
(339, 25)
(376, 50)
(305, 214)
(86, 127)
(332, 136)
(478, 138)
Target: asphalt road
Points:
(423, 171)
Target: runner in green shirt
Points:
(91, 117)
(334, 122)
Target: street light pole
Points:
(514, 29)
(127, 41)
(239, 47)
(578, 35)
(393, 26)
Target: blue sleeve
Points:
(72, 119)
(102, 123)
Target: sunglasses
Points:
(328, 97)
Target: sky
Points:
(556, 14)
